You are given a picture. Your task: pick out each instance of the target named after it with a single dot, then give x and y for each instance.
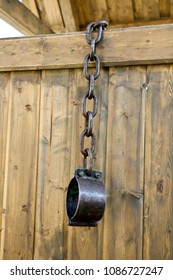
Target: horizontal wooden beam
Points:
(131, 46)
(16, 14)
(141, 23)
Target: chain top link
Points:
(93, 27)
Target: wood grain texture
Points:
(171, 8)
(69, 50)
(84, 12)
(144, 9)
(99, 10)
(4, 109)
(21, 175)
(139, 23)
(86, 242)
(54, 164)
(164, 7)
(31, 5)
(70, 16)
(50, 13)
(124, 164)
(15, 13)
(120, 11)
(158, 203)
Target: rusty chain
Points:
(97, 27)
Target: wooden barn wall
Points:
(40, 125)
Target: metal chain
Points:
(98, 28)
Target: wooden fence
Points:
(41, 85)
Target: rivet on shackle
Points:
(86, 197)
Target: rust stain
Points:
(160, 186)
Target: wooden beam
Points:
(131, 46)
(16, 14)
(50, 13)
(146, 10)
(99, 10)
(31, 5)
(90, 10)
(171, 8)
(164, 7)
(120, 11)
(141, 23)
(69, 15)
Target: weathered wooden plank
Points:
(4, 107)
(158, 203)
(98, 10)
(123, 220)
(171, 8)
(139, 23)
(89, 11)
(144, 9)
(21, 165)
(164, 7)
(86, 242)
(120, 11)
(31, 5)
(16, 14)
(82, 9)
(69, 50)
(54, 164)
(70, 16)
(50, 13)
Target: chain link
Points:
(92, 28)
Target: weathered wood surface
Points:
(86, 242)
(50, 13)
(21, 166)
(120, 11)
(32, 6)
(73, 15)
(145, 9)
(4, 107)
(15, 13)
(70, 16)
(41, 123)
(164, 7)
(55, 138)
(156, 22)
(131, 46)
(123, 225)
(158, 199)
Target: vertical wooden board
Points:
(158, 203)
(50, 13)
(89, 11)
(164, 7)
(80, 11)
(20, 180)
(31, 5)
(4, 105)
(124, 164)
(69, 15)
(120, 11)
(99, 10)
(171, 8)
(86, 242)
(146, 10)
(54, 164)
